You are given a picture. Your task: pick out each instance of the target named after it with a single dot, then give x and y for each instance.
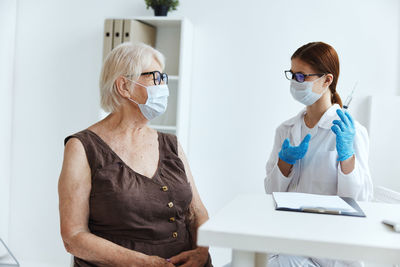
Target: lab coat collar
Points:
(325, 122)
(330, 115)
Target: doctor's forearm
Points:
(348, 165)
(284, 167)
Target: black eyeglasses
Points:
(158, 77)
(300, 77)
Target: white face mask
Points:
(157, 100)
(303, 92)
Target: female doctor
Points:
(322, 150)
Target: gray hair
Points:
(127, 59)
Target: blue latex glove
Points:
(290, 154)
(345, 132)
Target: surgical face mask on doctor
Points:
(303, 92)
(157, 100)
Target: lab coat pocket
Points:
(324, 172)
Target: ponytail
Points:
(335, 98)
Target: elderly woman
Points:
(127, 196)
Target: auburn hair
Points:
(323, 59)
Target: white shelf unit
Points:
(174, 38)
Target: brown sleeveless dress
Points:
(146, 215)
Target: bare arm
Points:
(200, 212)
(74, 188)
(285, 167)
(348, 165)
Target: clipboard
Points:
(358, 212)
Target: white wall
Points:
(384, 131)
(8, 12)
(239, 92)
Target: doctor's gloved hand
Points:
(290, 154)
(345, 132)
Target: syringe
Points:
(349, 98)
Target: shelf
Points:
(173, 77)
(163, 127)
(159, 21)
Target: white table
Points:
(252, 227)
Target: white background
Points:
(239, 93)
(8, 12)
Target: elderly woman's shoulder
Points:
(167, 136)
(78, 142)
(76, 136)
(169, 142)
(73, 144)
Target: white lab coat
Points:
(319, 172)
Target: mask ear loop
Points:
(136, 82)
(130, 99)
(324, 91)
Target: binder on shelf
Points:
(323, 204)
(137, 31)
(108, 37)
(118, 30)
